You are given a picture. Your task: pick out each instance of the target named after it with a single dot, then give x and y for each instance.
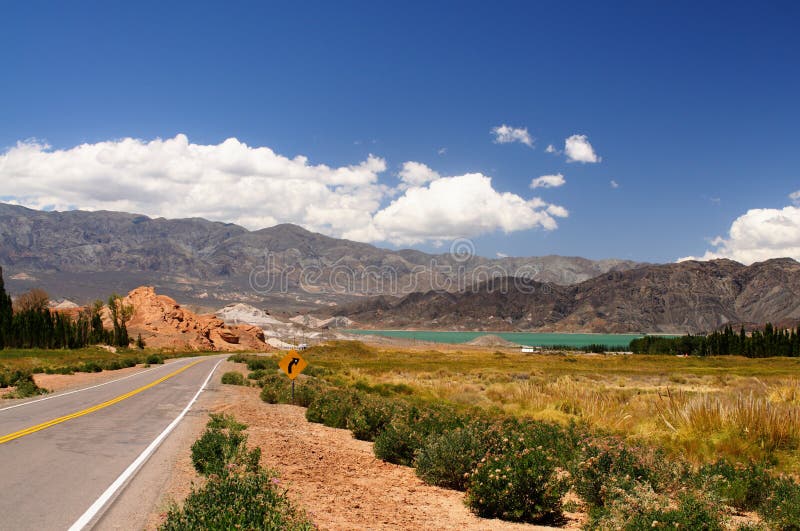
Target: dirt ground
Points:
(334, 477)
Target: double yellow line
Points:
(98, 407)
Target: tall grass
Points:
(756, 419)
(701, 408)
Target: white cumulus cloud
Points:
(614, 184)
(795, 197)
(416, 174)
(453, 207)
(757, 235)
(256, 187)
(548, 181)
(550, 149)
(505, 134)
(578, 149)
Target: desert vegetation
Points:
(237, 492)
(18, 366)
(631, 441)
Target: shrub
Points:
(369, 417)
(256, 363)
(447, 459)
(744, 488)
(608, 468)
(316, 372)
(257, 374)
(332, 408)
(404, 436)
(154, 359)
(641, 508)
(781, 508)
(223, 443)
(397, 444)
(237, 501)
(306, 392)
(25, 386)
(90, 366)
(233, 378)
(276, 389)
(517, 483)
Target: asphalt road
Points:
(60, 455)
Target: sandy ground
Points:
(334, 477)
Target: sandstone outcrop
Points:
(163, 323)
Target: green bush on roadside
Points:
(402, 438)
(447, 459)
(238, 494)
(233, 378)
(238, 501)
(332, 408)
(154, 359)
(24, 385)
(276, 389)
(517, 483)
(222, 444)
(640, 508)
(743, 487)
(370, 415)
(255, 363)
(781, 508)
(607, 469)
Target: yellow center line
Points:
(120, 398)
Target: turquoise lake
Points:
(521, 338)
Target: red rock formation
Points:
(163, 323)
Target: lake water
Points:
(521, 338)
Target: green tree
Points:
(120, 314)
(6, 312)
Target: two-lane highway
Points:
(63, 458)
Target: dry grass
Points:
(701, 408)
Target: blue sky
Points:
(693, 107)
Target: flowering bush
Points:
(743, 487)
(446, 459)
(370, 416)
(607, 469)
(781, 508)
(639, 507)
(517, 483)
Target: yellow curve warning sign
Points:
(292, 364)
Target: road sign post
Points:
(292, 364)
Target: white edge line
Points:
(95, 508)
(48, 397)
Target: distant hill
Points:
(672, 298)
(83, 255)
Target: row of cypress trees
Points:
(38, 327)
(759, 344)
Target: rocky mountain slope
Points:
(85, 255)
(672, 298)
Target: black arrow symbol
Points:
(292, 363)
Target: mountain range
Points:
(686, 297)
(80, 255)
